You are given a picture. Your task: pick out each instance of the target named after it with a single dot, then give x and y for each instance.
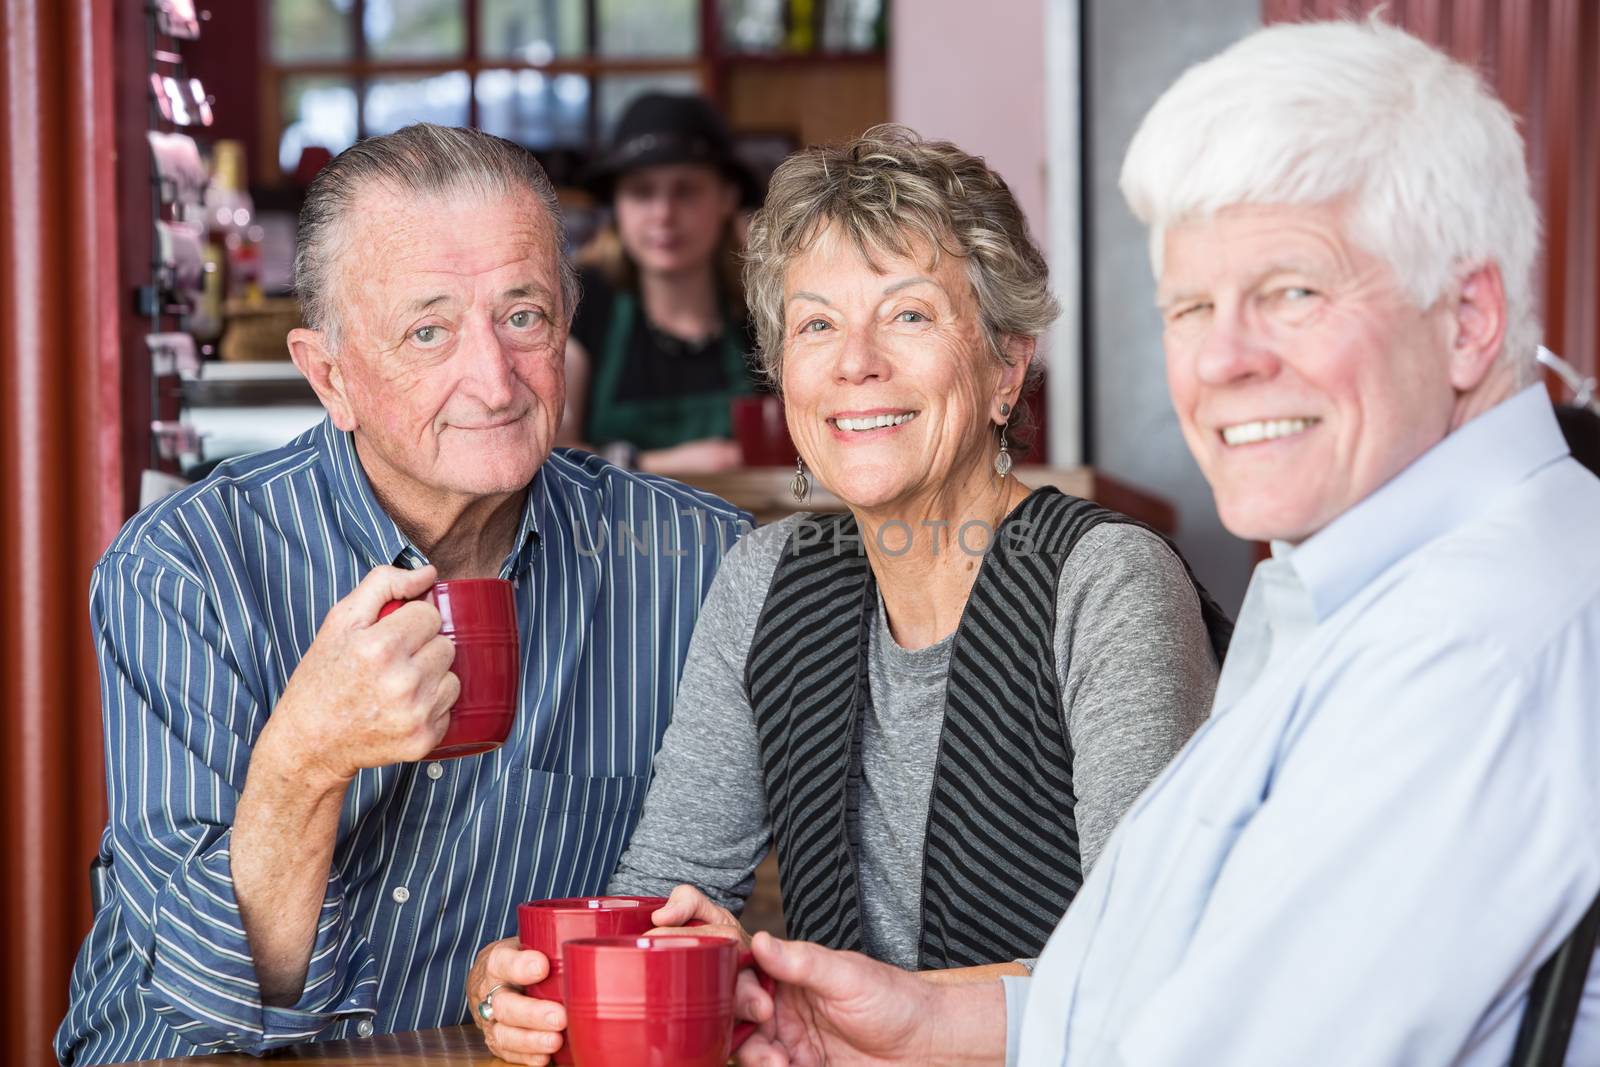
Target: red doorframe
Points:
(61, 450)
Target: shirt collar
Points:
(526, 543)
(1441, 489)
(369, 528)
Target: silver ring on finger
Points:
(486, 1005)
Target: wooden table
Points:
(458, 1045)
(764, 492)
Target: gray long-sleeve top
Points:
(1136, 676)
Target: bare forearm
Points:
(660, 461)
(969, 1027)
(283, 838)
(705, 456)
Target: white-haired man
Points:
(279, 865)
(1389, 821)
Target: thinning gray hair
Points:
(419, 160)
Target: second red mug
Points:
(546, 925)
(479, 616)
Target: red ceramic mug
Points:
(665, 1000)
(479, 616)
(762, 431)
(546, 925)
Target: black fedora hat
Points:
(661, 128)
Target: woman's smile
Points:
(875, 424)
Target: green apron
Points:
(663, 421)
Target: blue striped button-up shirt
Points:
(201, 609)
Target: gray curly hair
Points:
(423, 160)
(886, 190)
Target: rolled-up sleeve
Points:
(179, 724)
(1017, 989)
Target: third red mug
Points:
(546, 925)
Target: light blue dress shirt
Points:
(201, 610)
(1392, 817)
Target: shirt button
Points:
(435, 771)
(364, 1028)
(401, 894)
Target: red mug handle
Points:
(391, 607)
(742, 1032)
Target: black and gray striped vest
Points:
(1000, 851)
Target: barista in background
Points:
(659, 346)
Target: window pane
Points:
(415, 29)
(316, 111)
(310, 29)
(396, 102)
(536, 31)
(854, 26)
(618, 90)
(752, 25)
(533, 108)
(649, 27)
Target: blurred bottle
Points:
(802, 27)
(205, 318)
(230, 220)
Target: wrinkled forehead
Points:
(390, 239)
(837, 250)
(1243, 243)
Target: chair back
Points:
(97, 885)
(1554, 997)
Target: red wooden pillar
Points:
(60, 478)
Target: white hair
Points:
(1315, 112)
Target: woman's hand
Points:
(689, 907)
(523, 1030)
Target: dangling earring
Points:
(800, 484)
(1002, 462)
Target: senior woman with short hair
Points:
(938, 738)
(938, 705)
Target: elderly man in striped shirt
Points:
(279, 867)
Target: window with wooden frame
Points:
(551, 74)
